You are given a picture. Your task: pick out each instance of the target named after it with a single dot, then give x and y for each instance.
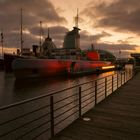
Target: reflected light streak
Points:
(108, 67)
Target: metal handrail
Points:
(46, 95)
(77, 104)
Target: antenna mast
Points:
(77, 18)
(21, 32)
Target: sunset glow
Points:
(111, 25)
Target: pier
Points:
(53, 116)
(115, 118)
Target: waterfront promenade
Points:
(115, 118)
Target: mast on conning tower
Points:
(77, 18)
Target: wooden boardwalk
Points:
(115, 118)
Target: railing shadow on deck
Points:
(44, 116)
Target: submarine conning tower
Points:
(72, 39)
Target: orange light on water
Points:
(108, 67)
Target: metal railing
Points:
(46, 115)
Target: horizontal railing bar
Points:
(88, 104)
(46, 95)
(88, 94)
(109, 90)
(21, 116)
(66, 118)
(100, 96)
(110, 75)
(100, 91)
(86, 99)
(87, 89)
(98, 88)
(40, 133)
(66, 111)
(75, 94)
(110, 87)
(115, 81)
(66, 105)
(32, 130)
(109, 82)
(100, 83)
(25, 125)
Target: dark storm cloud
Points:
(33, 12)
(57, 30)
(12, 40)
(116, 47)
(123, 46)
(125, 49)
(87, 40)
(57, 33)
(122, 15)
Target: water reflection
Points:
(12, 90)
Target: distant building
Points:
(25, 51)
(136, 57)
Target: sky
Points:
(111, 25)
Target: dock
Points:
(115, 118)
(104, 108)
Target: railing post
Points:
(105, 87)
(121, 78)
(95, 92)
(112, 83)
(80, 112)
(124, 77)
(52, 115)
(117, 80)
(127, 75)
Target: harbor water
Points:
(12, 90)
(32, 112)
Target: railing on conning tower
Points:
(44, 116)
